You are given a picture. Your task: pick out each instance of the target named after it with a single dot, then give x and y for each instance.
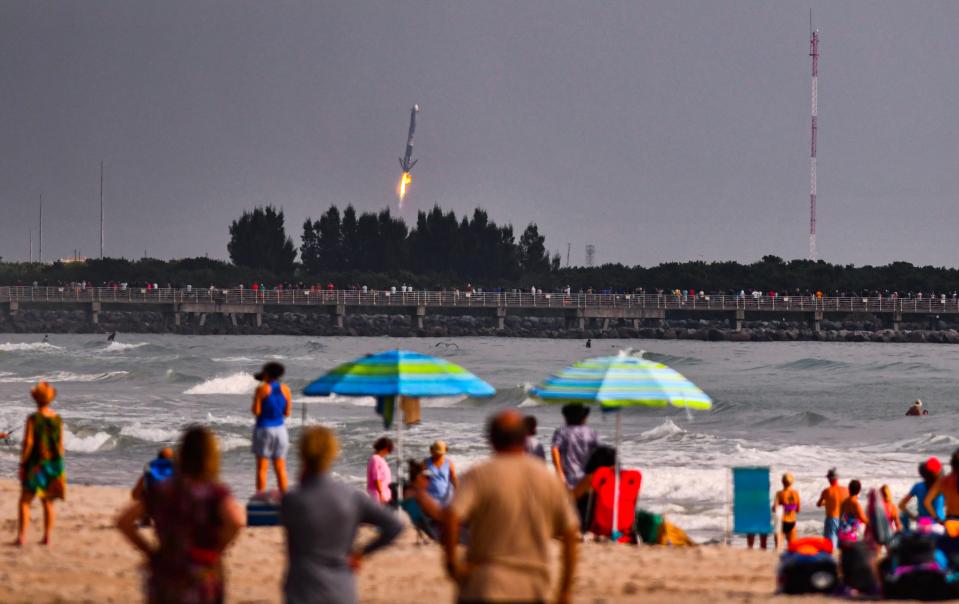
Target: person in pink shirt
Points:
(378, 475)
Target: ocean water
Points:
(802, 407)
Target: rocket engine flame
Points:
(405, 181)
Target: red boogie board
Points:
(604, 486)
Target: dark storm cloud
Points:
(655, 130)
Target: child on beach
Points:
(788, 498)
(378, 474)
(42, 470)
(852, 518)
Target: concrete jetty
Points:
(580, 311)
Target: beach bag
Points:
(916, 570)
(604, 486)
(859, 568)
(807, 574)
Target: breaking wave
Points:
(235, 383)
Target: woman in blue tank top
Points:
(442, 474)
(272, 404)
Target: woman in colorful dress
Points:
(42, 472)
(196, 519)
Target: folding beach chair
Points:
(752, 505)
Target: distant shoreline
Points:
(439, 326)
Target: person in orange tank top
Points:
(831, 499)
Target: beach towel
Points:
(752, 507)
(654, 529)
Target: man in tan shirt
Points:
(513, 507)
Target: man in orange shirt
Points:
(832, 498)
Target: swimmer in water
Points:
(589, 342)
(915, 409)
(788, 498)
(46, 339)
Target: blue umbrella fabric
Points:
(622, 381)
(399, 373)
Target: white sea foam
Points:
(121, 346)
(28, 347)
(62, 376)
(87, 444)
(663, 430)
(150, 434)
(235, 383)
(229, 442)
(232, 360)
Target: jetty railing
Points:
(307, 297)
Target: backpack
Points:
(807, 574)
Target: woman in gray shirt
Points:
(321, 518)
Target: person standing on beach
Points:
(948, 487)
(321, 519)
(852, 518)
(929, 471)
(831, 499)
(195, 518)
(42, 472)
(513, 507)
(378, 474)
(442, 474)
(272, 404)
(573, 444)
(533, 446)
(788, 498)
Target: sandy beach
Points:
(90, 562)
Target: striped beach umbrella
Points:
(393, 373)
(614, 382)
(399, 373)
(622, 381)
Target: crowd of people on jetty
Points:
(504, 511)
(683, 294)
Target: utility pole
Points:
(814, 53)
(30, 237)
(40, 238)
(569, 246)
(101, 209)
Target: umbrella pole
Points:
(399, 458)
(616, 466)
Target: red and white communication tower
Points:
(814, 53)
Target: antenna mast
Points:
(101, 209)
(814, 53)
(40, 238)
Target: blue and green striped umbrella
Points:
(399, 373)
(622, 381)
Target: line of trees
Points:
(442, 250)
(471, 248)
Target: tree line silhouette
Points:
(442, 250)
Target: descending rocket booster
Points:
(407, 162)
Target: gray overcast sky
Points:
(655, 130)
